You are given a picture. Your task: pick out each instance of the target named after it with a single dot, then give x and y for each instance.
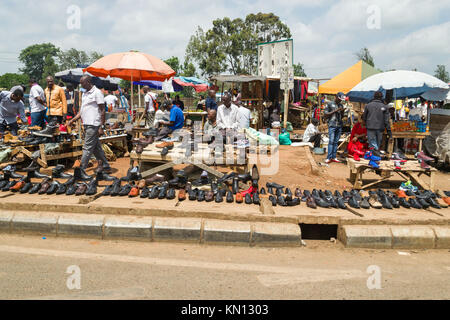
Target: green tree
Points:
(95, 56)
(38, 58)
(69, 59)
(188, 70)
(298, 70)
(9, 80)
(174, 63)
(364, 55)
(441, 73)
(231, 45)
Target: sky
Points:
(400, 34)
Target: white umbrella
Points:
(403, 83)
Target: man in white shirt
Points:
(37, 104)
(244, 116)
(111, 101)
(150, 100)
(92, 114)
(423, 107)
(312, 133)
(227, 113)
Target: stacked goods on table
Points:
(414, 125)
(222, 189)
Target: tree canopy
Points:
(364, 55)
(69, 59)
(37, 59)
(441, 73)
(9, 80)
(231, 45)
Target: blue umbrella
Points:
(74, 76)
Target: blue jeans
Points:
(334, 134)
(374, 138)
(37, 118)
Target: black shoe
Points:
(103, 176)
(223, 192)
(26, 188)
(72, 189)
(337, 194)
(62, 188)
(226, 177)
(262, 191)
(69, 181)
(9, 185)
(288, 197)
(58, 172)
(219, 197)
(214, 187)
(365, 203)
(201, 195)
(404, 203)
(433, 203)
(47, 132)
(202, 181)
(230, 197)
(255, 173)
(328, 193)
(331, 201)
(256, 199)
(133, 174)
(193, 194)
(81, 175)
(116, 188)
(270, 190)
(107, 190)
(164, 151)
(306, 194)
(154, 192)
(385, 202)
(282, 201)
(162, 192)
(279, 192)
(394, 201)
(92, 188)
(273, 200)
(3, 183)
(248, 199)
(322, 194)
(414, 203)
(410, 193)
(341, 203)
(423, 203)
(32, 167)
(171, 194)
(315, 193)
(244, 177)
(353, 203)
(293, 202)
(320, 202)
(346, 195)
(356, 195)
(38, 175)
(125, 190)
(274, 185)
(35, 188)
(298, 193)
(288, 192)
(235, 186)
(447, 193)
(144, 192)
(53, 187)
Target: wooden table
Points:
(411, 170)
(406, 135)
(203, 159)
(203, 114)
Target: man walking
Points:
(56, 102)
(150, 104)
(334, 111)
(92, 114)
(37, 104)
(376, 119)
(10, 105)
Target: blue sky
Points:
(326, 33)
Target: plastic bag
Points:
(285, 139)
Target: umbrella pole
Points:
(132, 96)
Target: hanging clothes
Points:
(297, 89)
(274, 90)
(304, 90)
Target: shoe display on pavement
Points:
(26, 188)
(35, 189)
(352, 202)
(256, 199)
(81, 190)
(162, 192)
(154, 192)
(239, 197)
(181, 195)
(274, 185)
(171, 194)
(92, 188)
(72, 189)
(310, 203)
(81, 175)
(414, 203)
(229, 197)
(209, 196)
(373, 201)
(273, 200)
(218, 198)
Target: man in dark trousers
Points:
(376, 119)
(334, 112)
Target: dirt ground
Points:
(294, 171)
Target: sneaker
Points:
(336, 160)
(328, 161)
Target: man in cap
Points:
(334, 112)
(10, 106)
(376, 118)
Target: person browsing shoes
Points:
(92, 114)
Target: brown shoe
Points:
(141, 184)
(373, 201)
(311, 203)
(165, 144)
(19, 185)
(81, 189)
(77, 164)
(155, 179)
(401, 194)
(209, 196)
(44, 187)
(239, 198)
(442, 203)
(134, 192)
(139, 148)
(182, 195)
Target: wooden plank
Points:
(157, 169)
(65, 155)
(43, 155)
(314, 168)
(375, 182)
(418, 180)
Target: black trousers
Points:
(316, 139)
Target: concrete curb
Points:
(395, 237)
(194, 230)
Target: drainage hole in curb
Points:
(318, 231)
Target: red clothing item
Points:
(357, 146)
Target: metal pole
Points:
(286, 104)
(132, 96)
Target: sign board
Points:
(287, 78)
(272, 56)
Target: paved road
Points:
(36, 268)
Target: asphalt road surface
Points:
(60, 268)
